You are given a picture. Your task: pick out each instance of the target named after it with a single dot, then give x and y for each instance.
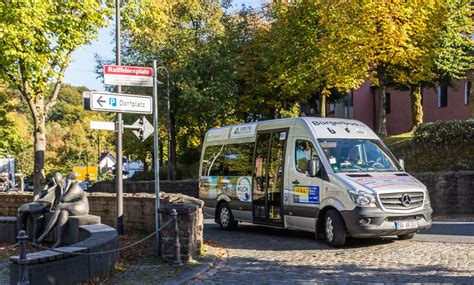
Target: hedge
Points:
(452, 133)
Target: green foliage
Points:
(445, 134)
(196, 42)
(37, 39)
(15, 131)
(317, 48)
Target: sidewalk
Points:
(450, 230)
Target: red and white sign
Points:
(128, 75)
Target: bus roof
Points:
(322, 127)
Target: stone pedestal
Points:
(190, 224)
(8, 229)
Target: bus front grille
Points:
(402, 200)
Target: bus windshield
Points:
(358, 155)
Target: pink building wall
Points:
(399, 120)
(363, 105)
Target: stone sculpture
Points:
(73, 202)
(48, 198)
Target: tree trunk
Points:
(323, 106)
(39, 151)
(161, 153)
(381, 118)
(416, 107)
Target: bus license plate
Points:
(403, 225)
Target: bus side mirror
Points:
(313, 167)
(402, 164)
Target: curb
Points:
(208, 262)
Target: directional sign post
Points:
(123, 103)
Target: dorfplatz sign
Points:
(128, 75)
(123, 103)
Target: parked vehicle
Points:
(334, 177)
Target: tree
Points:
(259, 99)
(317, 50)
(14, 131)
(37, 40)
(384, 28)
(189, 39)
(439, 50)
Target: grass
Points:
(398, 141)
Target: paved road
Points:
(263, 255)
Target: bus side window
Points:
(213, 162)
(238, 159)
(304, 151)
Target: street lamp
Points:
(168, 119)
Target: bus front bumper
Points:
(374, 222)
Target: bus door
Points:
(268, 173)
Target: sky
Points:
(81, 71)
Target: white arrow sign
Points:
(123, 103)
(143, 128)
(106, 126)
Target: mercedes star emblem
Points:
(406, 200)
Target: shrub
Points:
(446, 134)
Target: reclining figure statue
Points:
(48, 198)
(73, 202)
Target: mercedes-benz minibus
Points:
(333, 177)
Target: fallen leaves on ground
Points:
(136, 251)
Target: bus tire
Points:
(334, 229)
(226, 219)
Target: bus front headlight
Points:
(427, 197)
(362, 198)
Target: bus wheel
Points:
(226, 219)
(334, 229)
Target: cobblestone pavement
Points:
(4, 272)
(259, 255)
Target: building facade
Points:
(439, 103)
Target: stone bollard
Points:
(186, 215)
(23, 261)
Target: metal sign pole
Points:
(155, 158)
(119, 129)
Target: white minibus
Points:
(333, 177)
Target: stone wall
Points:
(451, 192)
(187, 187)
(138, 209)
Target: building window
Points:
(388, 103)
(442, 96)
(467, 91)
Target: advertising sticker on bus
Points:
(243, 189)
(306, 194)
